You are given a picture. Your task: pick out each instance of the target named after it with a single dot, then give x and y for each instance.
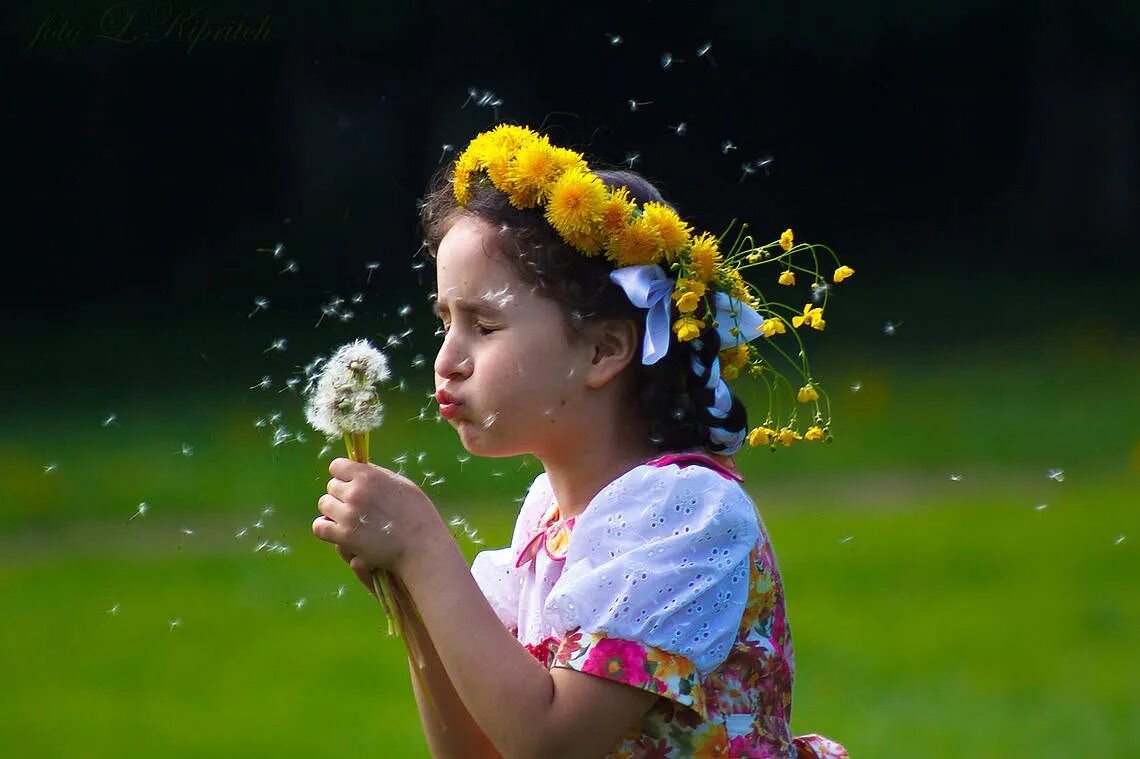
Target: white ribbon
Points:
(649, 287)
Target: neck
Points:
(577, 476)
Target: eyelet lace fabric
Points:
(666, 582)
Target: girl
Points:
(638, 610)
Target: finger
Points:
(327, 530)
(332, 507)
(342, 468)
(363, 571)
(338, 488)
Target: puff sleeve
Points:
(494, 570)
(656, 579)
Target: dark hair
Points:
(673, 394)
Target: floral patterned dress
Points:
(666, 582)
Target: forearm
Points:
(448, 727)
(510, 700)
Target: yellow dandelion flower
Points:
(565, 159)
(788, 278)
(674, 233)
(616, 212)
(787, 239)
(787, 436)
(575, 204)
(704, 257)
(465, 166)
(496, 159)
(531, 174)
(590, 242)
(772, 326)
(814, 433)
(842, 273)
(688, 328)
(637, 243)
(806, 394)
(760, 436)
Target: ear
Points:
(615, 346)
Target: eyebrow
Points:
(476, 307)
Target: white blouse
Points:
(660, 556)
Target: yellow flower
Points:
(728, 373)
(772, 326)
(704, 257)
(738, 288)
(812, 316)
(465, 166)
(688, 302)
(674, 233)
(813, 433)
(531, 174)
(786, 240)
(732, 360)
(637, 243)
(842, 273)
(575, 205)
(616, 212)
(688, 328)
(787, 436)
(760, 436)
(788, 277)
(590, 242)
(807, 393)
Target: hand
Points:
(361, 568)
(375, 515)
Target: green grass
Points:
(932, 617)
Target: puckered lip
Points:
(445, 398)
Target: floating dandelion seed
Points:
(261, 545)
(1118, 540)
(405, 311)
(187, 531)
(444, 149)
(747, 170)
(490, 419)
(264, 383)
(357, 298)
(818, 291)
(437, 482)
(418, 361)
(419, 266)
(667, 61)
(705, 51)
(110, 419)
(290, 268)
(267, 510)
(955, 477)
(140, 511)
(174, 624)
(326, 449)
(497, 473)
(274, 417)
(401, 459)
(371, 267)
(277, 345)
(726, 146)
(421, 457)
(890, 328)
(846, 539)
(299, 603)
(241, 533)
(764, 163)
(856, 386)
(635, 105)
(277, 250)
(462, 459)
(259, 524)
(290, 384)
(393, 342)
(1056, 475)
(1041, 507)
(187, 450)
(259, 304)
(50, 467)
(680, 129)
(114, 610)
(339, 592)
(614, 39)
(345, 316)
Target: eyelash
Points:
(481, 329)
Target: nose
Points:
(452, 361)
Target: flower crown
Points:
(703, 285)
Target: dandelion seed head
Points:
(344, 398)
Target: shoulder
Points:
(659, 501)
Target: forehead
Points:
(469, 270)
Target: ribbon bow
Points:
(649, 287)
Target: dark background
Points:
(976, 163)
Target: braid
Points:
(683, 410)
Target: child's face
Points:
(506, 357)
